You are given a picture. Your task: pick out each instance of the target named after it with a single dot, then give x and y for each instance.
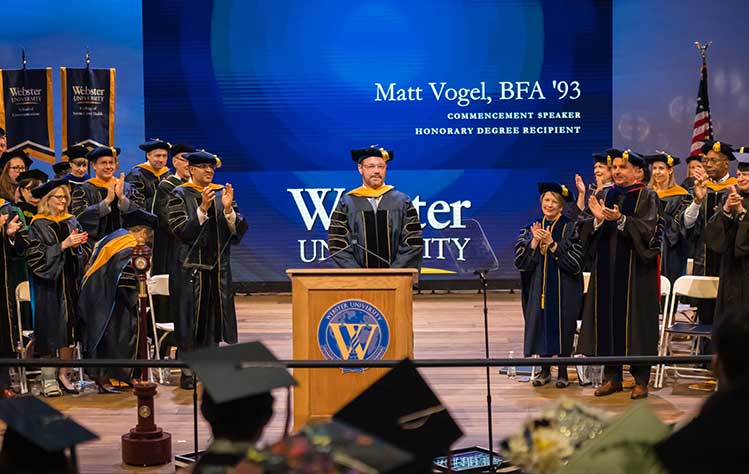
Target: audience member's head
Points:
(732, 343)
(237, 400)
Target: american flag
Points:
(703, 128)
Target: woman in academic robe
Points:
(27, 203)
(674, 199)
(55, 256)
(549, 258)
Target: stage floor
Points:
(445, 326)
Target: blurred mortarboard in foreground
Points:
(228, 372)
(402, 409)
(42, 425)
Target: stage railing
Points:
(336, 364)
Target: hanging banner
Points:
(26, 111)
(87, 107)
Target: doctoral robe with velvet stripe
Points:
(108, 301)
(620, 312)
(145, 179)
(392, 232)
(8, 318)
(675, 246)
(201, 295)
(55, 281)
(552, 288)
(707, 262)
(728, 236)
(96, 218)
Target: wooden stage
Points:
(445, 326)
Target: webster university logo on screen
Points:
(353, 330)
(316, 205)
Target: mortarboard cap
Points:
(44, 189)
(17, 153)
(402, 409)
(139, 217)
(178, 148)
(602, 158)
(374, 150)
(28, 175)
(102, 151)
(743, 158)
(697, 156)
(76, 151)
(61, 167)
(718, 147)
(42, 425)
(201, 157)
(628, 156)
(225, 378)
(663, 157)
(2, 132)
(155, 144)
(555, 188)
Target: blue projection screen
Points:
(478, 99)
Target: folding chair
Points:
(691, 287)
(158, 285)
(23, 294)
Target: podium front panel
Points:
(346, 315)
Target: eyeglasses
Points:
(18, 168)
(713, 161)
(205, 166)
(60, 197)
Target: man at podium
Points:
(375, 226)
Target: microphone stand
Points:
(484, 287)
(355, 243)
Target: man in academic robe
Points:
(205, 221)
(10, 227)
(108, 299)
(100, 203)
(164, 259)
(727, 234)
(145, 177)
(620, 313)
(711, 186)
(375, 226)
(78, 162)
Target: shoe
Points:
(562, 383)
(542, 379)
(187, 382)
(608, 388)
(50, 388)
(639, 392)
(69, 391)
(8, 393)
(105, 390)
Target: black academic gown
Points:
(728, 236)
(552, 289)
(202, 298)
(94, 215)
(675, 247)
(392, 233)
(108, 303)
(164, 259)
(55, 282)
(8, 318)
(707, 262)
(145, 180)
(620, 312)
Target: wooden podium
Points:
(344, 308)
